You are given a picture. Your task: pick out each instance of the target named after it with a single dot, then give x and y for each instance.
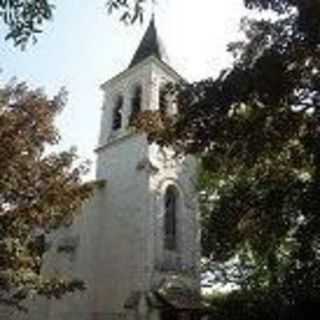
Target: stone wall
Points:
(116, 244)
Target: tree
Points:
(239, 304)
(24, 20)
(39, 192)
(257, 130)
(130, 10)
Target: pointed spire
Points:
(150, 45)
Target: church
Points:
(137, 242)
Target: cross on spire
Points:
(153, 9)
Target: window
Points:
(170, 218)
(163, 100)
(117, 114)
(136, 102)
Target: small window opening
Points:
(163, 101)
(136, 103)
(117, 114)
(170, 219)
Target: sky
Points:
(83, 47)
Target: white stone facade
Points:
(117, 243)
(137, 176)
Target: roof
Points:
(180, 296)
(173, 293)
(150, 45)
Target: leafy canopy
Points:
(24, 20)
(257, 130)
(39, 192)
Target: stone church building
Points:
(136, 245)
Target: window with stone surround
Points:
(170, 218)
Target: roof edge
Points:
(144, 62)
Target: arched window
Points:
(136, 102)
(163, 100)
(117, 114)
(170, 218)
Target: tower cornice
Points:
(151, 59)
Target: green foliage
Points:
(259, 304)
(246, 305)
(39, 192)
(308, 12)
(256, 129)
(130, 10)
(24, 19)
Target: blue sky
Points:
(83, 47)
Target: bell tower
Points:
(150, 247)
(136, 245)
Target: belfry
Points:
(136, 245)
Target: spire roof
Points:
(150, 45)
